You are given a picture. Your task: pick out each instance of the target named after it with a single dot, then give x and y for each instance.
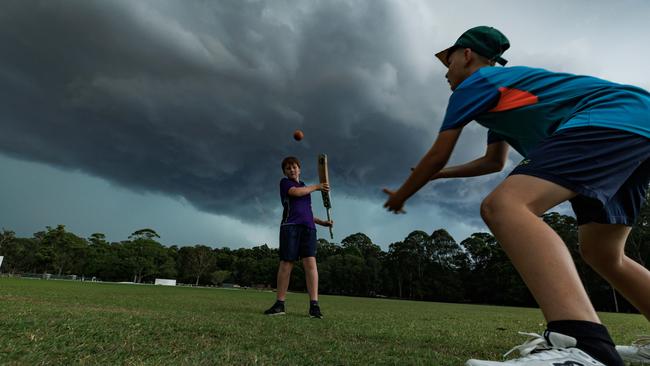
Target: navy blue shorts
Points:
(297, 241)
(608, 168)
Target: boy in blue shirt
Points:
(584, 140)
(297, 236)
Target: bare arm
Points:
(493, 161)
(432, 162)
(323, 222)
(303, 191)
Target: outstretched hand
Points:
(324, 187)
(394, 203)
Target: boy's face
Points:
(457, 68)
(292, 171)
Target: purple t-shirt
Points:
(297, 210)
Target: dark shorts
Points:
(297, 241)
(608, 168)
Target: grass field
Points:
(60, 322)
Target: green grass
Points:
(60, 322)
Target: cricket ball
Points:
(298, 135)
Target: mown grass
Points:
(62, 323)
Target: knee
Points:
(598, 259)
(309, 264)
(491, 207)
(587, 254)
(286, 266)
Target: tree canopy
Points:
(423, 266)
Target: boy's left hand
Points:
(394, 203)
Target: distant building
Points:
(165, 282)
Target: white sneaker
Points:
(638, 352)
(552, 349)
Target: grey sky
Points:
(118, 115)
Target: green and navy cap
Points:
(486, 41)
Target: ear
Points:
(468, 54)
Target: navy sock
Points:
(592, 338)
(313, 303)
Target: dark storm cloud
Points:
(199, 99)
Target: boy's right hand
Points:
(324, 187)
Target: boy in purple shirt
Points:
(297, 235)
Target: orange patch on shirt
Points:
(513, 98)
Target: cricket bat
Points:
(324, 178)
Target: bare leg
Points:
(512, 212)
(311, 277)
(603, 248)
(284, 274)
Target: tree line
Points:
(423, 266)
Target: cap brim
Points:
(443, 56)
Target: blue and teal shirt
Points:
(523, 105)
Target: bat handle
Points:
(329, 219)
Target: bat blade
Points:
(323, 176)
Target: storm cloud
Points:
(200, 100)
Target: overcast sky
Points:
(175, 115)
